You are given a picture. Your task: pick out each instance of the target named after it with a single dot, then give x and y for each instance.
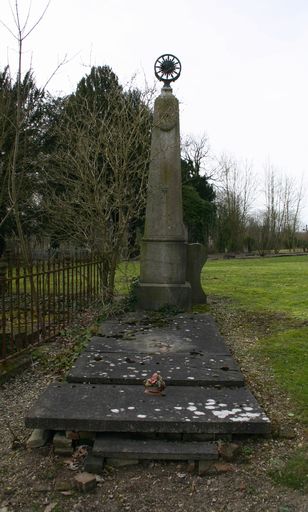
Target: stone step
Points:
(176, 369)
(110, 446)
(116, 408)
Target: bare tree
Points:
(95, 182)
(283, 201)
(235, 194)
(14, 179)
(197, 153)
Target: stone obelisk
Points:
(164, 246)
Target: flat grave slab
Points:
(185, 333)
(110, 446)
(176, 369)
(116, 408)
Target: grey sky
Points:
(244, 75)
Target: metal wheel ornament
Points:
(167, 68)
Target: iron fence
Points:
(37, 302)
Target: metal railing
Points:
(37, 302)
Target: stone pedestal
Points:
(164, 248)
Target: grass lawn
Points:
(271, 286)
(263, 284)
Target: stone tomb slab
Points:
(153, 449)
(176, 369)
(115, 408)
(185, 333)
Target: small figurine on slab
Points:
(154, 385)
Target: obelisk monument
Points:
(164, 245)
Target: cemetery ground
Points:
(261, 308)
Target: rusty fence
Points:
(37, 302)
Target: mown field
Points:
(277, 290)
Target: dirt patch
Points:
(29, 479)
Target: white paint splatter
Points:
(250, 414)
(116, 411)
(141, 415)
(222, 414)
(130, 408)
(191, 408)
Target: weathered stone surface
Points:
(164, 248)
(111, 328)
(85, 481)
(155, 296)
(176, 369)
(127, 409)
(61, 441)
(189, 333)
(38, 438)
(64, 452)
(108, 446)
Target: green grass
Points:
(264, 284)
(294, 472)
(127, 271)
(288, 355)
(271, 286)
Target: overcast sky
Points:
(244, 75)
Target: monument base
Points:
(154, 296)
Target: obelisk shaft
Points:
(164, 248)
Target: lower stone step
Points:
(115, 408)
(114, 447)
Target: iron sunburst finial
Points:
(167, 68)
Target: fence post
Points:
(3, 269)
(3, 287)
